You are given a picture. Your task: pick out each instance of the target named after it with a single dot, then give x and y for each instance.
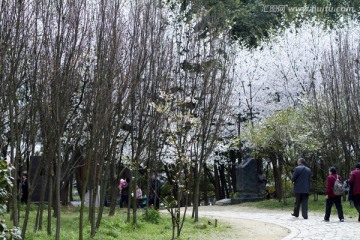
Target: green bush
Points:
(5, 183)
(151, 215)
(6, 233)
(5, 189)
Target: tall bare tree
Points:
(148, 69)
(336, 108)
(203, 61)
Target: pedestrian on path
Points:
(331, 198)
(124, 193)
(355, 186)
(301, 180)
(24, 188)
(139, 196)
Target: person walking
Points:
(154, 195)
(124, 193)
(354, 182)
(301, 180)
(24, 188)
(331, 198)
(138, 196)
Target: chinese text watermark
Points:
(312, 9)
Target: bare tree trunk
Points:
(277, 175)
(206, 181)
(114, 191)
(196, 195)
(104, 186)
(58, 187)
(223, 182)
(51, 196)
(218, 194)
(39, 214)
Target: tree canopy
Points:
(252, 21)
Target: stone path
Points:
(313, 228)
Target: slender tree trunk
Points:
(40, 211)
(233, 169)
(223, 182)
(206, 196)
(277, 175)
(58, 187)
(65, 192)
(50, 200)
(196, 195)
(104, 186)
(217, 183)
(114, 191)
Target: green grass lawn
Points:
(116, 227)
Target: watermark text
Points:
(311, 9)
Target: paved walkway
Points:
(313, 228)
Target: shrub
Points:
(151, 215)
(5, 188)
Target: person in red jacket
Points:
(331, 198)
(355, 186)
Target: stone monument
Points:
(248, 182)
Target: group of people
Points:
(301, 179)
(154, 194)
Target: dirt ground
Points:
(243, 228)
(249, 229)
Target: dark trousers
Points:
(24, 198)
(301, 199)
(329, 202)
(124, 201)
(356, 200)
(155, 201)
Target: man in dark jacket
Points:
(355, 186)
(301, 179)
(154, 196)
